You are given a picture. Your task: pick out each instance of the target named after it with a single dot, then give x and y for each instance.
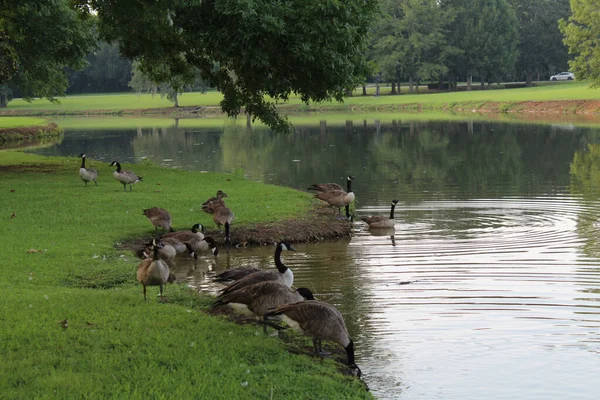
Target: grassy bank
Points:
(74, 320)
(564, 94)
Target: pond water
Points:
(489, 285)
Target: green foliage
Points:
(582, 37)
(410, 39)
(38, 39)
(107, 71)
(540, 41)
(246, 49)
(485, 32)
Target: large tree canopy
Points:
(37, 40)
(540, 41)
(582, 36)
(247, 49)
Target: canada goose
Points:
(178, 245)
(197, 231)
(321, 321)
(209, 205)
(235, 274)
(380, 221)
(153, 271)
(224, 216)
(159, 217)
(260, 297)
(325, 187)
(125, 177)
(87, 174)
(196, 246)
(166, 253)
(283, 273)
(339, 198)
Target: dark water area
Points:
(489, 284)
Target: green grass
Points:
(114, 101)
(116, 344)
(131, 101)
(17, 122)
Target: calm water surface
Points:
(489, 285)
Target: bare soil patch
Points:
(317, 225)
(29, 132)
(37, 168)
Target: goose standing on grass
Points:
(159, 217)
(283, 273)
(153, 271)
(125, 177)
(87, 174)
(209, 205)
(380, 221)
(320, 321)
(223, 216)
(338, 198)
(198, 246)
(260, 297)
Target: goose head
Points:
(283, 245)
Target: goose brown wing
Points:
(325, 187)
(373, 219)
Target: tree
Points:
(582, 32)
(411, 40)
(37, 40)
(485, 33)
(540, 41)
(106, 72)
(246, 49)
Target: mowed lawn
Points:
(132, 101)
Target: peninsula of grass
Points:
(549, 98)
(26, 128)
(74, 322)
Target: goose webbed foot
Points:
(319, 352)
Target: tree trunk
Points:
(394, 88)
(3, 100)
(529, 79)
(364, 90)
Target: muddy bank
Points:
(29, 132)
(317, 225)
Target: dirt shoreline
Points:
(29, 132)
(319, 224)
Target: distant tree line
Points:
(279, 50)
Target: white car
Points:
(563, 76)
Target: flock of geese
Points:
(266, 294)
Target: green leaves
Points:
(261, 47)
(582, 36)
(38, 39)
